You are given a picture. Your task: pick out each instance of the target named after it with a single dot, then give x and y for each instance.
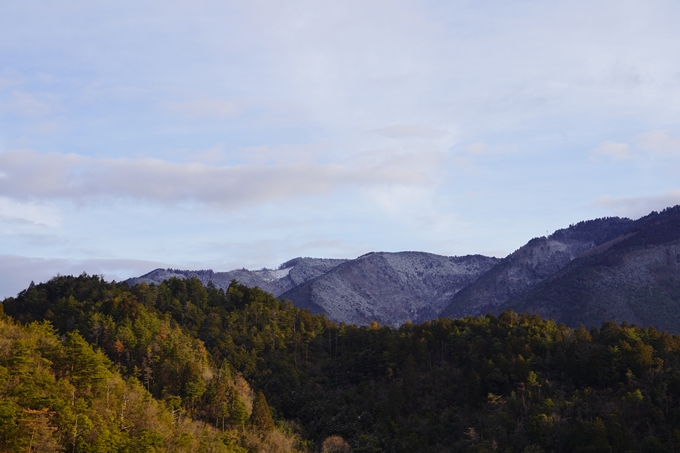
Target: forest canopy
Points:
(239, 370)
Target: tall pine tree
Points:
(261, 417)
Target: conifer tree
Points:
(261, 418)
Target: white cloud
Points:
(658, 143)
(637, 206)
(211, 155)
(616, 151)
(33, 175)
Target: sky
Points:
(228, 134)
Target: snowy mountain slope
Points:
(542, 276)
(634, 278)
(390, 288)
(532, 263)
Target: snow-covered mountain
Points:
(390, 288)
(532, 263)
(593, 271)
(634, 278)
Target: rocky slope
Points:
(633, 278)
(390, 288)
(274, 281)
(531, 264)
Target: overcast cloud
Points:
(212, 134)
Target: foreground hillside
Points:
(61, 394)
(507, 383)
(117, 376)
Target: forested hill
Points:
(532, 263)
(507, 383)
(634, 278)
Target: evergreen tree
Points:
(261, 418)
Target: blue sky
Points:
(220, 134)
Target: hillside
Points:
(95, 370)
(61, 394)
(390, 288)
(634, 278)
(507, 383)
(531, 264)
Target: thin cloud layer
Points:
(637, 206)
(28, 174)
(616, 151)
(660, 143)
(410, 131)
(26, 213)
(28, 105)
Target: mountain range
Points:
(275, 281)
(593, 271)
(390, 288)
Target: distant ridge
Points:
(275, 281)
(633, 278)
(390, 288)
(532, 263)
(593, 271)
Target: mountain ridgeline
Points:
(390, 288)
(634, 277)
(532, 263)
(591, 272)
(275, 281)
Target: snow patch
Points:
(269, 275)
